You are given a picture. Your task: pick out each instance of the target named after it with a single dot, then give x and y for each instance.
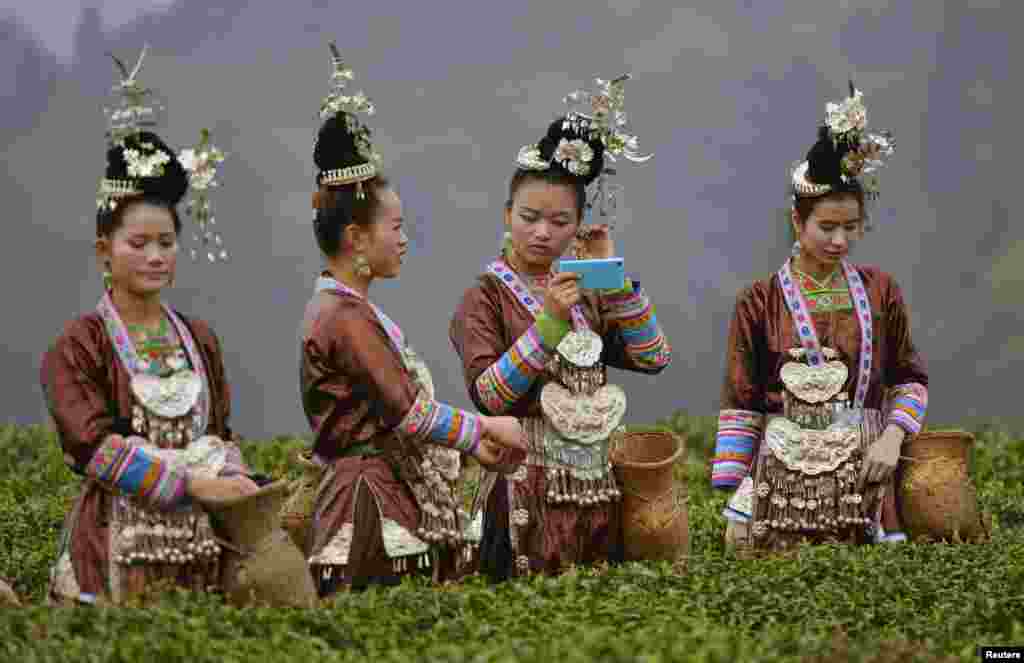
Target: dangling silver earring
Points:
(363, 266)
(796, 249)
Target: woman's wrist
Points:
(484, 431)
(551, 329)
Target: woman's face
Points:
(385, 244)
(542, 222)
(829, 232)
(142, 253)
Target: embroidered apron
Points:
(807, 470)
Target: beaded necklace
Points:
(159, 350)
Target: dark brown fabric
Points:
(368, 557)
(354, 384)
(557, 535)
(336, 499)
(88, 392)
(89, 541)
(762, 332)
(359, 492)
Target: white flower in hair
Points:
(848, 115)
(530, 158)
(141, 164)
(864, 153)
(187, 159)
(876, 147)
(201, 162)
(575, 155)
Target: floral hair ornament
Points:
(606, 121)
(201, 162)
(861, 152)
(609, 121)
(338, 101)
(136, 108)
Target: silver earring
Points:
(362, 266)
(796, 249)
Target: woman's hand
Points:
(501, 443)
(595, 242)
(219, 489)
(883, 455)
(562, 294)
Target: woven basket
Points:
(937, 498)
(262, 564)
(655, 521)
(297, 512)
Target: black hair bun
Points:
(575, 130)
(170, 186)
(825, 159)
(336, 145)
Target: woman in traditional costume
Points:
(535, 345)
(387, 505)
(137, 390)
(823, 382)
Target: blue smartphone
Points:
(597, 274)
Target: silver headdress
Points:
(846, 151)
(338, 101)
(138, 109)
(135, 109)
(606, 121)
(136, 106)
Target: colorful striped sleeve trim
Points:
(506, 380)
(631, 312)
(738, 433)
(908, 404)
(444, 424)
(131, 469)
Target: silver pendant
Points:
(581, 348)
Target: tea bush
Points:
(913, 602)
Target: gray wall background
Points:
(726, 94)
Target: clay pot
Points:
(654, 514)
(297, 512)
(937, 498)
(270, 569)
